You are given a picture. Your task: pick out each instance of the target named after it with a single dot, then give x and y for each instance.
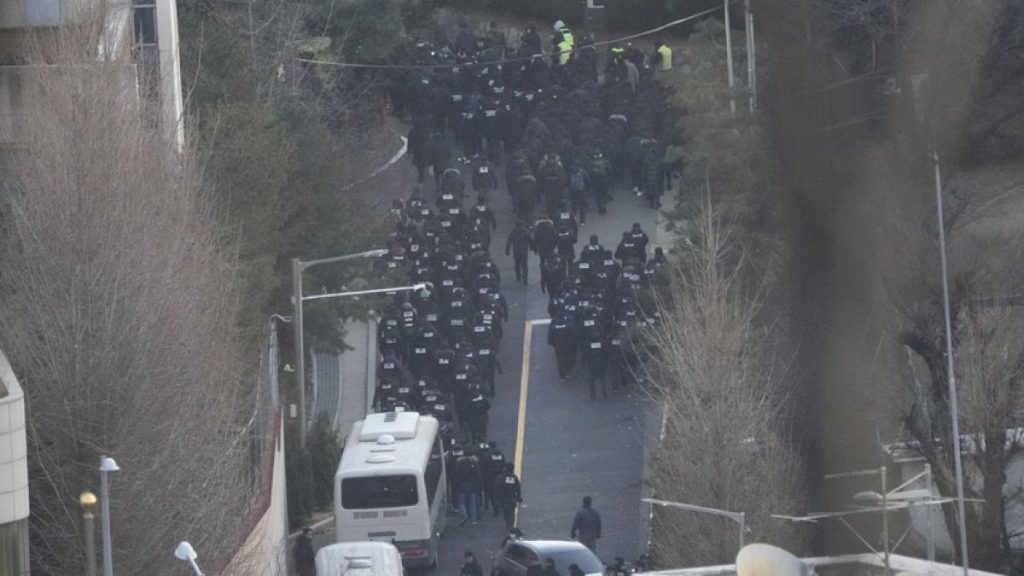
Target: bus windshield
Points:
(378, 492)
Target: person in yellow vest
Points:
(661, 58)
(563, 41)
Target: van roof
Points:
(359, 558)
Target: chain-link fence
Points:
(261, 425)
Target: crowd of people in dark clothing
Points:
(565, 128)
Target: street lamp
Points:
(87, 500)
(954, 413)
(298, 266)
(738, 517)
(184, 552)
(107, 465)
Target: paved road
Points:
(572, 446)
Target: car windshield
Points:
(584, 558)
(378, 492)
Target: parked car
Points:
(518, 555)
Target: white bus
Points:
(391, 486)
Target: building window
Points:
(147, 54)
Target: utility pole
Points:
(728, 58)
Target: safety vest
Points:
(564, 52)
(666, 57)
(567, 36)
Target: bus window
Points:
(378, 492)
(432, 476)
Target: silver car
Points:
(518, 555)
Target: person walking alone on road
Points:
(518, 244)
(508, 495)
(586, 526)
(470, 565)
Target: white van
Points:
(359, 559)
(391, 486)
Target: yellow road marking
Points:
(524, 384)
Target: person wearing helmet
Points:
(508, 494)
(562, 43)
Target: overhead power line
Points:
(507, 60)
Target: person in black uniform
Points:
(596, 360)
(545, 238)
(519, 242)
(508, 494)
(641, 240)
(627, 248)
(562, 337)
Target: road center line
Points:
(524, 384)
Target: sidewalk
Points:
(343, 383)
(358, 367)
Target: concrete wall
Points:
(264, 551)
(29, 13)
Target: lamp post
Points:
(87, 500)
(107, 465)
(184, 552)
(954, 412)
(298, 267)
(738, 517)
(751, 56)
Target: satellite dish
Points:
(768, 560)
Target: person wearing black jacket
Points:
(470, 566)
(508, 494)
(545, 238)
(519, 243)
(467, 487)
(641, 240)
(304, 555)
(562, 337)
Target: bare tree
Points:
(727, 440)
(119, 311)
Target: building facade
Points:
(143, 33)
(14, 505)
